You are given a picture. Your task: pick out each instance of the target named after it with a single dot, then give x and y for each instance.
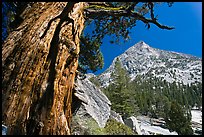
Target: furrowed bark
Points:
(39, 61)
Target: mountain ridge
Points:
(150, 98)
(142, 59)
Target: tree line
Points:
(153, 97)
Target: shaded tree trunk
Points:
(39, 61)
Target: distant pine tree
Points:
(119, 92)
(176, 120)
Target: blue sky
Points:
(186, 17)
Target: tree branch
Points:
(99, 3)
(151, 7)
(148, 20)
(99, 11)
(132, 6)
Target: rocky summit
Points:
(95, 113)
(142, 59)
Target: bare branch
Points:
(151, 7)
(147, 20)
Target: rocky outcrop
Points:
(4, 130)
(143, 60)
(152, 126)
(196, 121)
(116, 116)
(94, 103)
(132, 122)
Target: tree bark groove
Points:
(39, 69)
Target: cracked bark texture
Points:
(39, 61)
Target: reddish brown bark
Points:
(39, 65)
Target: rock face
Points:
(196, 121)
(116, 116)
(141, 59)
(132, 122)
(150, 126)
(94, 103)
(4, 130)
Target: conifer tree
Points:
(176, 120)
(41, 55)
(120, 95)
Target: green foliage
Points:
(95, 81)
(94, 129)
(152, 96)
(177, 121)
(113, 24)
(88, 126)
(90, 57)
(119, 93)
(76, 128)
(116, 25)
(11, 16)
(116, 128)
(119, 26)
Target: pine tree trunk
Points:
(39, 61)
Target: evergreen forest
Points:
(149, 96)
